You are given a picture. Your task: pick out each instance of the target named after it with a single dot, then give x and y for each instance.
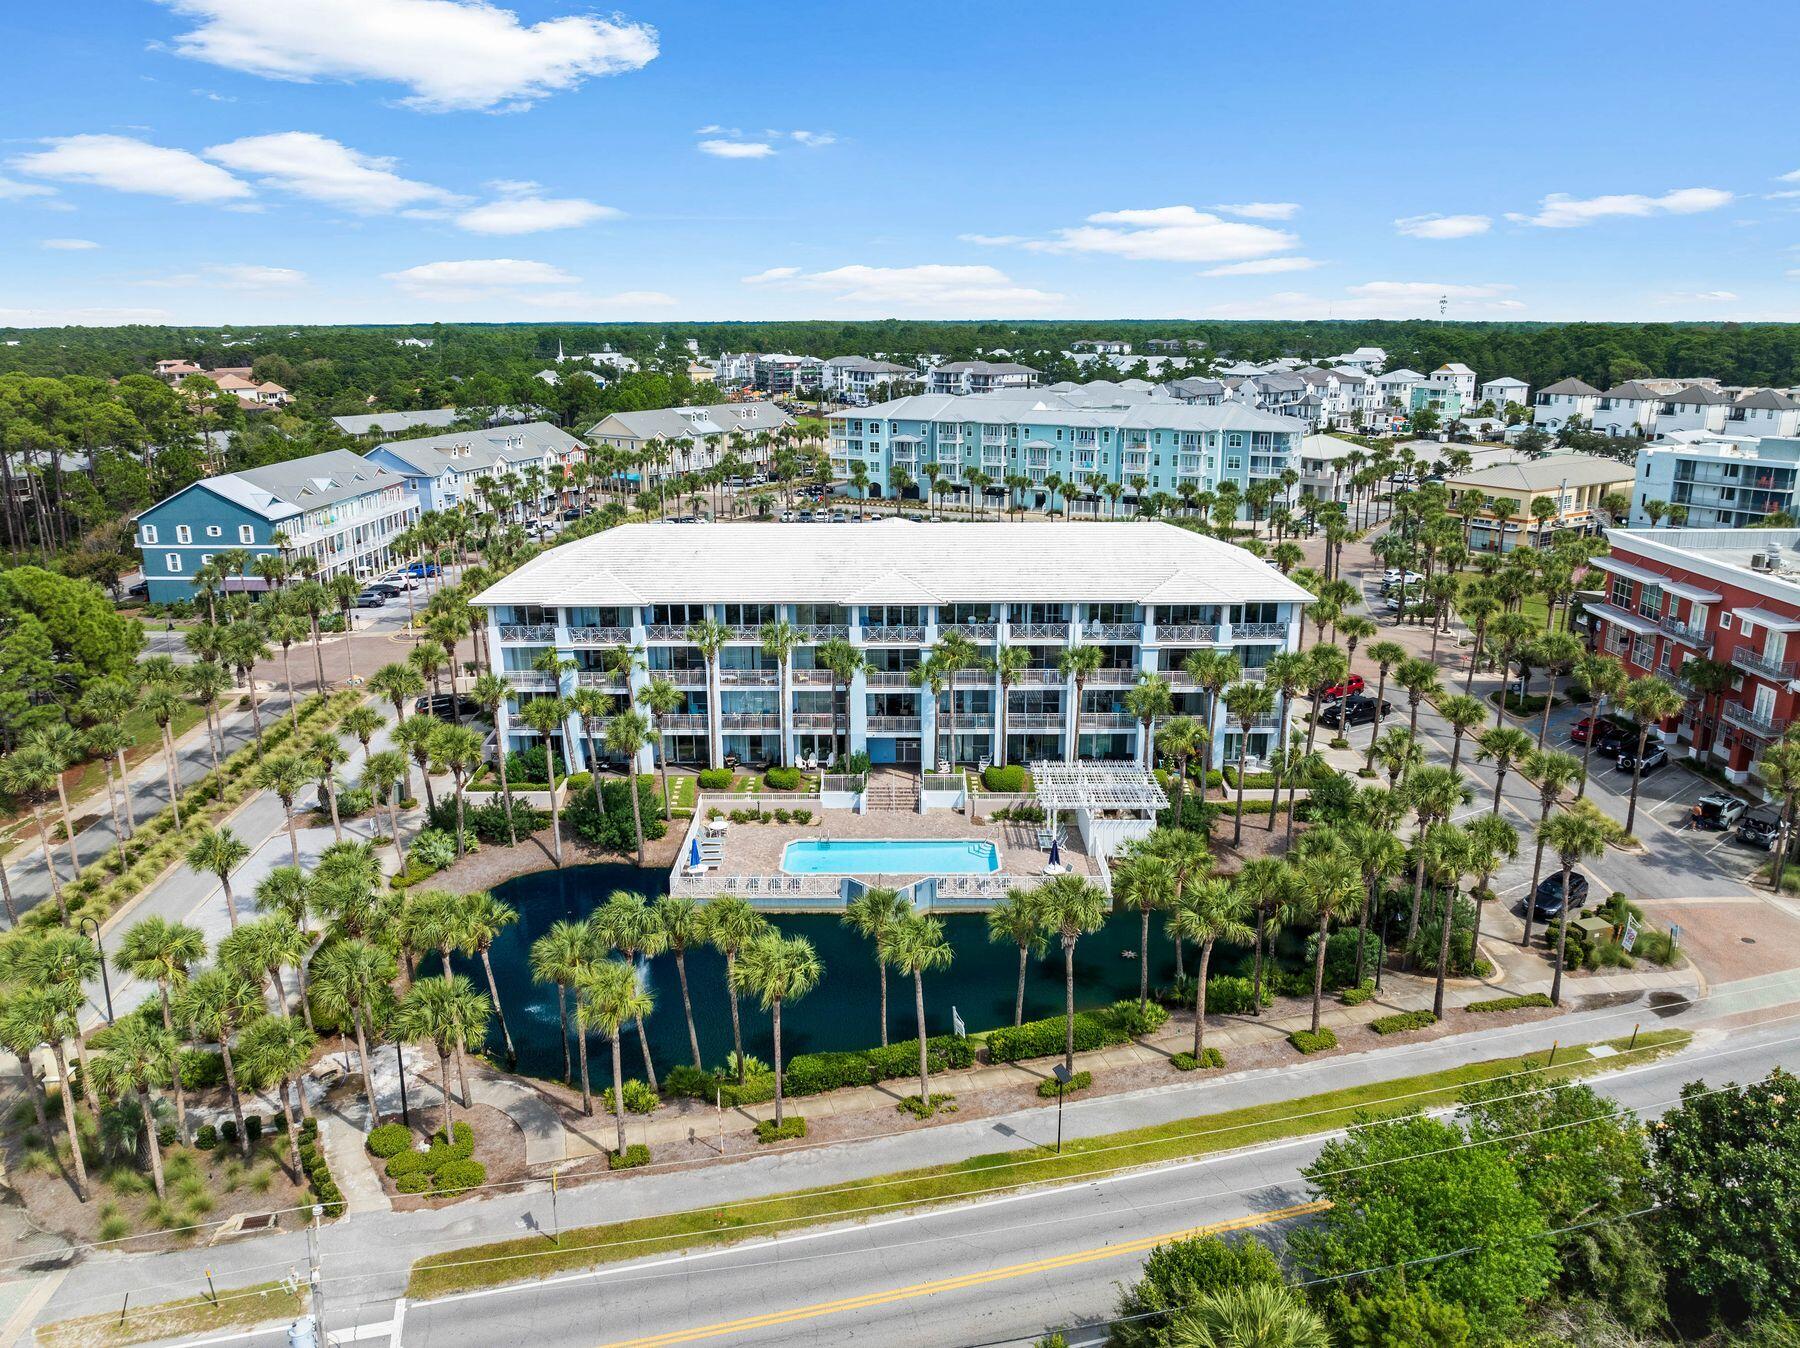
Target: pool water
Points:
(889, 856)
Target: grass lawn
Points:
(89, 777)
(175, 1319)
(683, 790)
(512, 1260)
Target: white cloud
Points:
(1263, 210)
(1793, 177)
(814, 139)
(530, 214)
(932, 289)
(476, 277)
(79, 318)
(1697, 296)
(452, 54)
(1168, 234)
(11, 189)
(129, 165)
(68, 245)
(1266, 266)
(326, 170)
(993, 240)
(1559, 210)
(735, 149)
(1443, 226)
(252, 276)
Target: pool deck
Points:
(751, 864)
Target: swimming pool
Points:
(889, 856)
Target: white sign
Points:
(956, 1023)
(1631, 934)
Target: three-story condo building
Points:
(694, 606)
(1140, 441)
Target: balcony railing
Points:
(528, 632)
(887, 678)
(1039, 631)
(1112, 631)
(744, 631)
(893, 725)
(1258, 631)
(665, 632)
(973, 631)
(1758, 663)
(823, 631)
(1746, 718)
(684, 722)
(812, 678)
(694, 677)
(1115, 674)
(812, 720)
(749, 678)
(528, 678)
(906, 632)
(1034, 720)
(1694, 636)
(598, 678)
(599, 636)
(750, 720)
(1187, 632)
(1107, 720)
(1039, 676)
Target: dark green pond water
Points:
(843, 1012)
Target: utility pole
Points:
(312, 1260)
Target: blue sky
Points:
(248, 161)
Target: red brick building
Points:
(1729, 595)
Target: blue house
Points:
(337, 508)
(444, 469)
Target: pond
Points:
(841, 1013)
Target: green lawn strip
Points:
(586, 1247)
(174, 1319)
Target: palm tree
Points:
(1604, 678)
(275, 1051)
(1506, 746)
(1071, 906)
(323, 757)
(382, 774)
(1386, 655)
(1148, 700)
(1330, 889)
(44, 1015)
(607, 996)
(628, 924)
(548, 716)
(261, 949)
(284, 629)
(1463, 713)
(710, 636)
(1212, 670)
(1556, 653)
(1248, 1315)
(215, 1005)
(484, 918)
(1378, 854)
(399, 683)
(1649, 701)
(873, 914)
(557, 957)
(26, 774)
(626, 735)
(312, 598)
(106, 705)
(457, 749)
(1511, 635)
(219, 852)
(413, 737)
(363, 722)
(1420, 679)
(1579, 832)
(682, 926)
(205, 684)
(60, 743)
(1078, 664)
(916, 945)
(490, 692)
(159, 951)
(1554, 773)
(448, 1014)
(731, 925)
(1182, 737)
(778, 969)
(353, 982)
(163, 703)
(1205, 913)
(1245, 703)
(1145, 881)
(778, 642)
(1433, 795)
(1008, 663)
(1449, 855)
(660, 698)
(21, 1032)
(844, 662)
(1016, 919)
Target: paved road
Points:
(366, 1258)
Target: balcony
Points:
(694, 677)
(1758, 663)
(749, 678)
(684, 722)
(823, 631)
(1034, 720)
(1039, 676)
(750, 720)
(811, 678)
(973, 631)
(528, 632)
(1746, 718)
(599, 678)
(893, 725)
(1258, 631)
(743, 631)
(886, 678)
(1135, 465)
(1179, 632)
(1693, 636)
(665, 632)
(1112, 631)
(1115, 674)
(1107, 720)
(528, 678)
(876, 635)
(599, 636)
(1038, 631)
(812, 720)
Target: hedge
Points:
(1226, 994)
(639, 1098)
(318, 1173)
(715, 779)
(1051, 1089)
(1402, 1021)
(1093, 1029)
(782, 779)
(631, 1158)
(1512, 1003)
(455, 1177)
(201, 1069)
(1358, 995)
(814, 1073)
(793, 1126)
(1313, 1041)
(1009, 780)
(1187, 1062)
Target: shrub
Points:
(1186, 1062)
(782, 815)
(1133, 1020)
(793, 1126)
(1340, 955)
(924, 1109)
(803, 816)
(201, 1068)
(228, 1132)
(1049, 1090)
(390, 1139)
(530, 765)
(639, 1098)
(631, 1158)
(1424, 946)
(487, 822)
(812, 1073)
(739, 816)
(431, 851)
(1511, 1003)
(715, 779)
(355, 800)
(782, 779)
(408, 1162)
(460, 1145)
(1402, 1021)
(1358, 995)
(1009, 780)
(1313, 1041)
(1021, 814)
(608, 824)
(253, 1127)
(1041, 1038)
(455, 1177)
(413, 1182)
(1229, 995)
(206, 1137)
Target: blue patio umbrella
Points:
(1055, 853)
(694, 852)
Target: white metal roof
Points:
(1095, 786)
(1763, 617)
(896, 562)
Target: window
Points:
(214, 531)
(149, 533)
(183, 534)
(1621, 592)
(1725, 621)
(172, 562)
(246, 533)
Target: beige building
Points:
(1575, 484)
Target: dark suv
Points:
(446, 707)
(1547, 903)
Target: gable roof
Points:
(1768, 399)
(1632, 391)
(389, 422)
(1571, 388)
(434, 455)
(693, 423)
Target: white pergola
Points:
(1113, 803)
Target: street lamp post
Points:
(1062, 1075)
(105, 982)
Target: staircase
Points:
(893, 791)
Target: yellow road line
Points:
(773, 1319)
